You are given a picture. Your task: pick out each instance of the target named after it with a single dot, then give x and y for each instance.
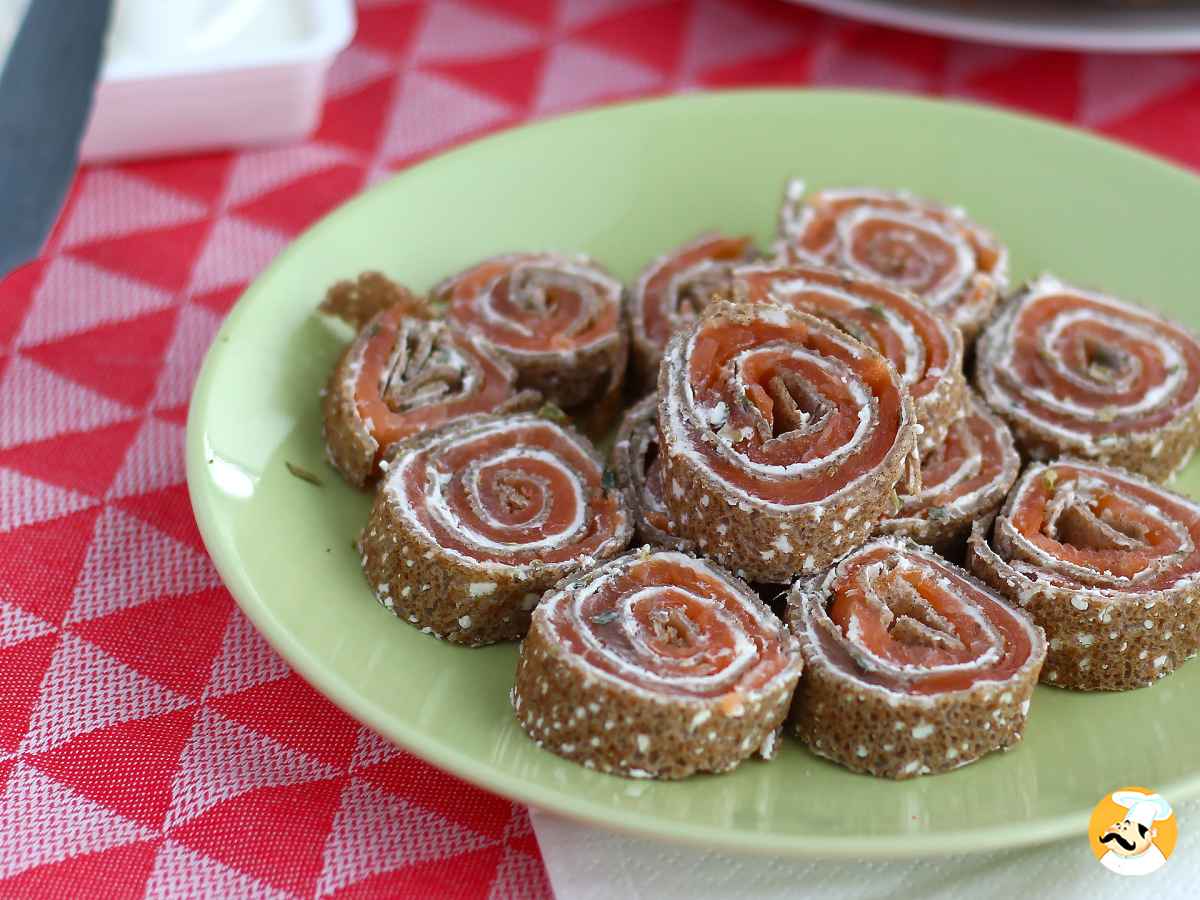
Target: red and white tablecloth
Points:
(151, 744)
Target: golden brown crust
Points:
(636, 440)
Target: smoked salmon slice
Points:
(637, 465)
(911, 666)
(556, 319)
(1107, 562)
(925, 348)
(1085, 374)
(655, 665)
(476, 519)
(934, 251)
(671, 292)
(404, 373)
(784, 439)
(964, 480)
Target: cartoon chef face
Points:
(1128, 838)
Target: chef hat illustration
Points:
(1144, 809)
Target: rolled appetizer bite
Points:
(784, 439)
(476, 519)
(1080, 373)
(655, 665)
(963, 481)
(404, 373)
(911, 666)
(1107, 563)
(925, 348)
(555, 318)
(671, 292)
(637, 465)
(934, 251)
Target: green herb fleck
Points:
(605, 617)
(1049, 478)
(896, 504)
(938, 513)
(608, 480)
(876, 310)
(554, 413)
(1107, 413)
(302, 473)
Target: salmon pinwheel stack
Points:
(672, 291)
(1080, 373)
(934, 251)
(925, 348)
(404, 373)
(476, 519)
(963, 481)
(1107, 562)
(637, 464)
(784, 439)
(655, 665)
(911, 666)
(557, 319)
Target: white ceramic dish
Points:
(1077, 25)
(252, 74)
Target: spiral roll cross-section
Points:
(694, 669)
(477, 519)
(911, 666)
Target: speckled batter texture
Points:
(761, 541)
(447, 594)
(893, 734)
(1099, 639)
(601, 722)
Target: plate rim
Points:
(989, 30)
(449, 758)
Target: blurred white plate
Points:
(1069, 24)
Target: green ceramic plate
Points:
(624, 184)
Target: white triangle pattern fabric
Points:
(181, 873)
(246, 660)
(36, 404)
(85, 689)
(112, 203)
(454, 30)
(432, 111)
(723, 33)
(18, 626)
(44, 821)
(224, 758)
(130, 562)
(195, 328)
(75, 296)
(236, 251)
(25, 500)
(577, 74)
(154, 461)
(374, 832)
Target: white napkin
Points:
(586, 863)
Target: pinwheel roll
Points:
(556, 319)
(475, 520)
(1079, 373)
(783, 439)
(963, 481)
(934, 251)
(925, 348)
(672, 290)
(655, 665)
(402, 374)
(638, 468)
(911, 666)
(1107, 563)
